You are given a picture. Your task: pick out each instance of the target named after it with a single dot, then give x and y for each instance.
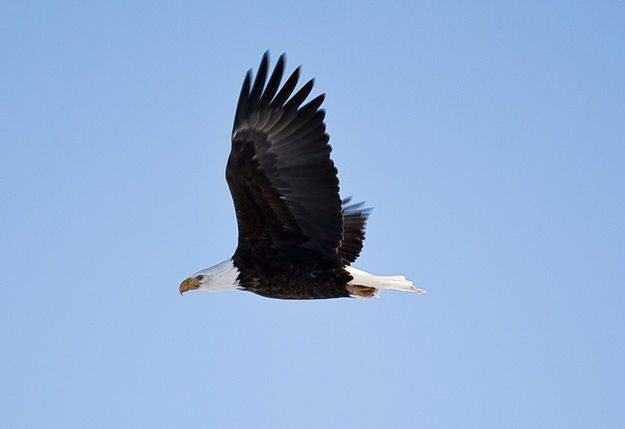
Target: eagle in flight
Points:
(297, 238)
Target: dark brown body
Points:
(300, 275)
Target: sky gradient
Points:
(489, 137)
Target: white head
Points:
(220, 277)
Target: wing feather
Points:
(283, 182)
(354, 223)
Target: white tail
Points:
(362, 280)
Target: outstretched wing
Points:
(282, 180)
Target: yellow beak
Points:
(189, 284)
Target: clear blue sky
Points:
(488, 136)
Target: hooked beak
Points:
(189, 284)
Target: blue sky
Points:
(488, 136)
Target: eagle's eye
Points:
(200, 277)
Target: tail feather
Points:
(365, 279)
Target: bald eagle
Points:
(297, 238)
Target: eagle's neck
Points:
(220, 277)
